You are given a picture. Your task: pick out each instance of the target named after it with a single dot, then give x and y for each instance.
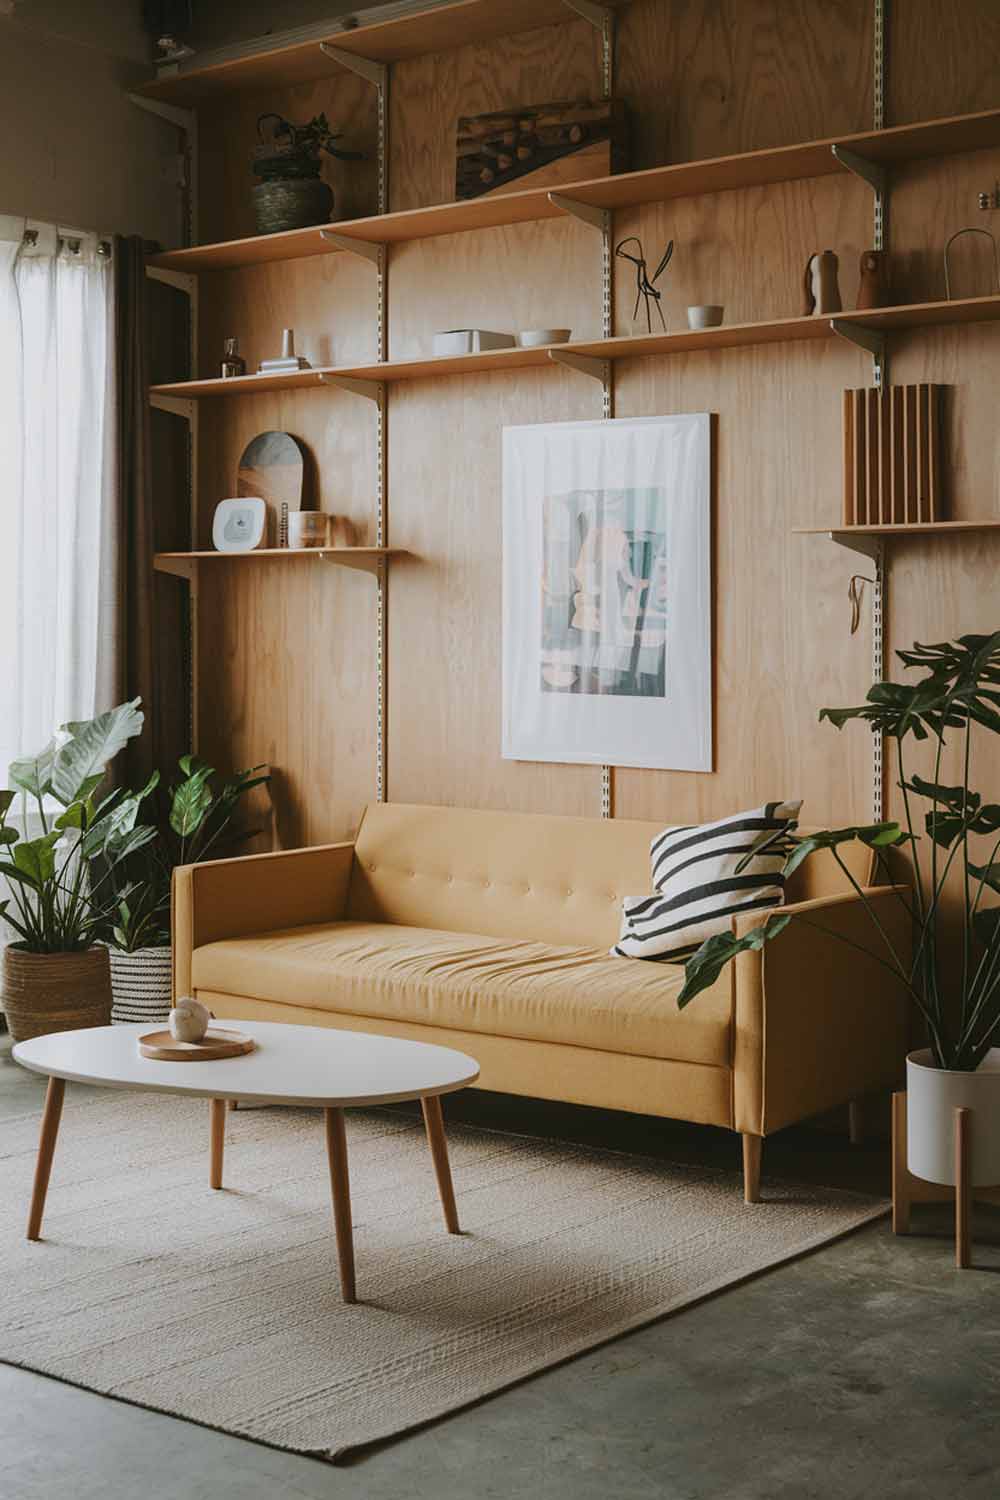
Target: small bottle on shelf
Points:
(232, 364)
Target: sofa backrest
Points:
(518, 875)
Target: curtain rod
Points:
(72, 243)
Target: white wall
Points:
(76, 151)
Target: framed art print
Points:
(607, 618)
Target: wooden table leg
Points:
(963, 1187)
(217, 1128)
(46, 1150)
(340, 1187)
(434, 1125)
(900, 1173)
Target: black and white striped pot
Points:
(140, 985)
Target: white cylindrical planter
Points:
(932, 1096)
(140, 985)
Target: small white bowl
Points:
(705, 315)
(531, 338)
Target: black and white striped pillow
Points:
(697, 885)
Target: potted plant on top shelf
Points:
(197, 825)
(291, 193)
(958, 997)
(56, 972)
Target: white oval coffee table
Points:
(313, 1066)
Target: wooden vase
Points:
(45, 992)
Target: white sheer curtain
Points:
(58, 519)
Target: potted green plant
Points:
(291, 193)
(957, 996)
(56, 972)
(197, 825)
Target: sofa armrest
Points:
(816, 1022)
(257, 893)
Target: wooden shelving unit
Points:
(870, 540)
(186, 564)
(636, 346)
(438, 30)
(910, 528)
(884, 148)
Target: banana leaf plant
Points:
(57, 903)
(197, 823)
(956, 700)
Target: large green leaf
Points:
(704, 967)
(91, 746)
(988, 874)
(955, 797)
(33, 773)
(35, 858)
(125, 844)
(190, 803)
(987, 925)
(873, 835)
(6, 799)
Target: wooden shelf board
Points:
(728, 336)
(438, 30)
(628, 189)
(185, 564)
(917, 528)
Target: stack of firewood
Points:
(497, 149)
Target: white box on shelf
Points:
(471, 341)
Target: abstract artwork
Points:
(607, 593)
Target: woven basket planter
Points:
(45, 992)
(140, 985)
(291, 203)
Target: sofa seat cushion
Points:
(460, 980)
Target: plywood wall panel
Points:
(288, 659)
(444, 617)
(782, 642)
(708, 79)
(942, 59)
(286, 678)
(429, 94)
(529, 276)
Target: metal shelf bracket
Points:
(181, 281)
(375, 72)
(369, 250)
(872, 339)
(186, 120)
(177, 406)
(869, 546)
(179, 567)
(597, 15)
(597, 218)
(583, 364)
(872, 172)
(373, 390)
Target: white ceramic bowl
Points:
(531, 338)
(706, 315)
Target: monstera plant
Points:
(951, 835)
(56, 973)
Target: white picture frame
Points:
(607, 592)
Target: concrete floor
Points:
(870, 1368)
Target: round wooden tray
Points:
(216, 1043)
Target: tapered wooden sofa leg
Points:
(751, 1167)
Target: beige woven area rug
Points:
(223, 1307)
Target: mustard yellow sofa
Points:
(489, 932)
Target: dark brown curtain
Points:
(151, 322)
